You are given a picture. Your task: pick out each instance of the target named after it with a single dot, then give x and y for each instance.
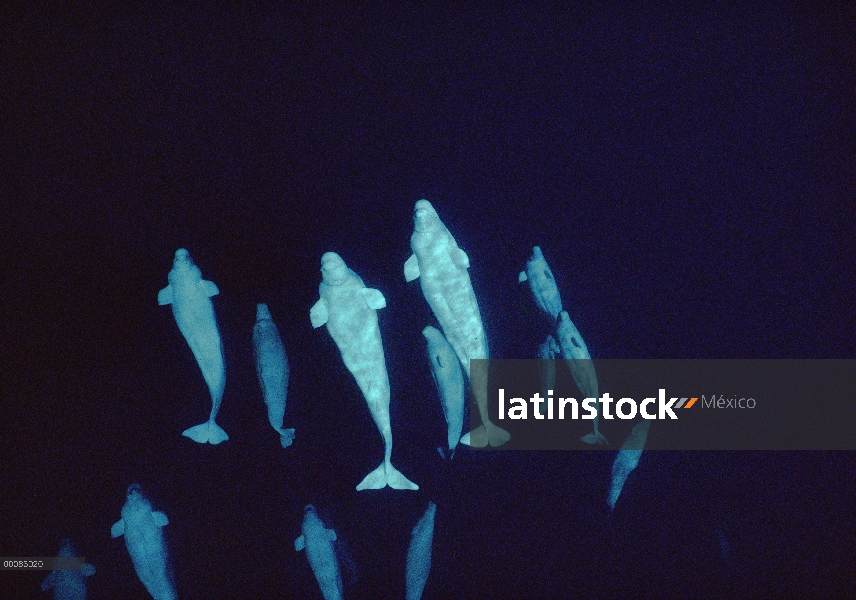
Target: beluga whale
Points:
(272, 369)
(577, 356)
(190, 297)
(143, 530)
(317, 540)
(542, 283)
(68, 584)
(441, 267)
(626, 460)
(418, 565)
(349, 309)
(446, 370)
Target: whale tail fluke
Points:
(486, 434)
(595, 437)
(447, 453)
(496, 436)
(206, 433)
(286, 437)
(386, 475)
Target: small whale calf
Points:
(543, 284)
(582, 368)
(317, 540)
(143, 530)
(441, 267)
(418, 565)
(548, 351)
(68, 584)
(446, 370)
(272, 369)
(349, 309)
(190, 297)
(626, 460)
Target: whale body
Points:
(68, 584)
(542, 283)
(272, 369)
(446, 370)
(547, 353)
(441, 267)
(142, 528)
(190, 297)
(418, 564)
(626, 460)
(317, 540)
(577, 357)
(349, 309)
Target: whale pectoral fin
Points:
(300, 543)
(522, 277)
(460, 259)
(374, 299)
(165, 296)
(88, 570)
(318, 314)
(411, 268)
(160, 518)
(209, 288)
(118, 528)
(331, 535)
(49, 581)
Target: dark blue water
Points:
(688, 173)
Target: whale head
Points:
(536, 254)
(424, 216)
(135, 498)
(333, 269)
(263, 313)
(66, 548)
(432, 334)
(182, 256)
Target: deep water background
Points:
(689, 174)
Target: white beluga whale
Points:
(272, 369)
(441, 267)
(548, 351)
(317, 540)
(446, 370)
(143, 530)
(190, 297)
(349, 309)
(418, 565)
(577, 357)
(626, 460)
(68, 584)
(542, 283)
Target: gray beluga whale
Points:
(273, 371)
(548, 351)
(349, 309)
(143, 530)
(446, 370)
(626, 460)
(577, 357)
(317, 540)
(418, 565)
(542, 283)
(441, 267)
(190, 297)
(68, 584)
